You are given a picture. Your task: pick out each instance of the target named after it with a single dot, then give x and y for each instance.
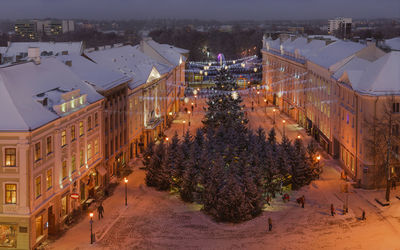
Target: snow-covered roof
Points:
(130, 61)
(172, 54)
(16, 48)
(382, 76)
(335, 52)
(393, 44)
(99, 76)
(23, 85)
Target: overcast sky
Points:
(201, 9)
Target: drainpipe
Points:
(356, 163)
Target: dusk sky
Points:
(202, 9)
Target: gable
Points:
(154, 74)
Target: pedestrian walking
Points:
(100, 210)
(303, 200)
(332, 210)
(363, 215)
(269, 224)
(268, 199)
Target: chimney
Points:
(34, 54)
(8, 43)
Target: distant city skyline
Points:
(206, 9)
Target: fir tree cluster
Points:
(226, 167)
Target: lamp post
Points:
(265, 102)
(126, 191)
(183, 130)
(274, 110)
(258, 97)
(91, 228)
(318, 159)
(283, 124)
(189, 116)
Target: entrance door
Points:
(52, 220)
(336, 149)
(39, 226)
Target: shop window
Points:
(8, 235)
(49, 178)
(73, 135)
(38, 186)
(37, 151)
(11, 193)
(396, 107)
(64, 170)
(80, 128)
(10, 157)
(49, 145)
(63, 138)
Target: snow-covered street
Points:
(159, 220)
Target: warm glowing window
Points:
(80, 128)
(81, 158)
(89, 123)
(11, 193)
(49, 178)
(63, 138)
(37, 151)
(64, 169)
(89, 151)
(10, 157)
(73, 136)
(73, 163)
(38, 186)
(49, 145)
(96, 146)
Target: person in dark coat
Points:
(100, 210)
(332, 210)
(303, 200)
(269, 224)
(363, 215)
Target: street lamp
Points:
(274, 110)
(91, 228)
(265, 101)
(298, 137)
(126, 191)
(189, 116)
(183, 131)
(258, 97)
(283, 124)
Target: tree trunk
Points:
(388, 190)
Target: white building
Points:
(341, 25)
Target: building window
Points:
(63, 138)
(73, 163)
(9, 233)
(64, 170)
(73, 135)
(64, 206)
(49, 178)
(96, 146)
(49, 145)
(38, 186)
(37, 151)
(89, 151)
(10, 157)
(39, 226)
(80, 128)
(96, 119)
(89, 123)
(81, 158)
(11, 193)
(396, 107)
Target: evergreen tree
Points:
(174, 162)
(148, 154)
(157, 173)
(301, 171)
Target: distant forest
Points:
(238, 43)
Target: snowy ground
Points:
(159, 220)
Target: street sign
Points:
(74, 196)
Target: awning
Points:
(102, 170)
